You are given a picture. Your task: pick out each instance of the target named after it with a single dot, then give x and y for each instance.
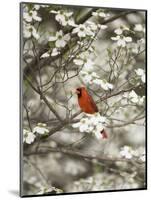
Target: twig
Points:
(38, 91)
(28, 119)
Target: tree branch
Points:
(73, 152)
(38, 91)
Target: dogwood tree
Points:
(65, 47)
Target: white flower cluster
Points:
(60, 40)
(64, 18)
(29, 16)
(41, 129)
(141, 74)
(30, 31)
(129, 153)
(139, 28)
(91, 124)
(54, 52)
(87, 74)
(88, 29)
(47, 190)
(29, 136)
(120, 38)
(86, 62)
(37, 6)
(100, 13)
(134, 98)
(93, 78)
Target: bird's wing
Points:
(92, 103)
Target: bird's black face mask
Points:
(79, 92)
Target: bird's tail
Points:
(104, 134)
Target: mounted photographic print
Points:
(82, 99)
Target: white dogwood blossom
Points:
(121, 40)
(121, 29)
(87, 73)
(64, 18)
(93, 78)
(97, 118)
(134, 98)
(141, 73)
(89, 29)
(84, 125)
(28, 136)
(55, 52)
(45, 55)
(31, 15)
(102, 27)
(60, 39)
(88, 64)
(100, 14)
(103, 83)
(126, 152)
(118, 31)
(80, 59)
(41, 129)
(45, 190)
(82, 31)
(36, 7)
(30, 31)
(130, 153)
(91, 124)
(141, 41)
(93, 26)
(88, 77)
(139, 28)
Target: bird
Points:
(88, 105)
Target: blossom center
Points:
(81, 29)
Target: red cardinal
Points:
(87, 104)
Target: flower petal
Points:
(118, 31)
(121, 42)
(128, 39)
(60, 43)
(66, 37)
(55, 52)
(115, 38)
(45, 55)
